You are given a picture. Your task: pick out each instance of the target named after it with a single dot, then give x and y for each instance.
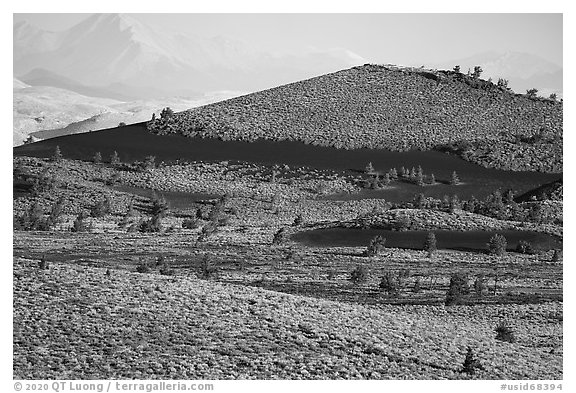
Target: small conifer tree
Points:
(430, 244)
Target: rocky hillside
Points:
(388, 107)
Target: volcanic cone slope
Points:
(393, 108)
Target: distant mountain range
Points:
(117, 54)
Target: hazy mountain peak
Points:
(107, 49)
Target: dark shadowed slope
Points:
(133, 142)
(548, 191)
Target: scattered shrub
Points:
(43, 183)
(376, 246)
(143, 268)
(524, 247)
(457, 290)
(390, 283)
(43, 263)
(471, 363)
(158, 210)
(149, 226)
(207, 268)
(479, 286)
(401, 223)
(166, 270)
(101, 208)
(208, 230)
(32, 220)
(359, 274)
(298, 220)
(280, 237)
(97, 159)
(190, 223)
(504, 332)
(79, 225)
(113, 179)
(149, 163)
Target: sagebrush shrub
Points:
(207, 268)
(376, 246)
(471, 363)
(457, 289)
(524, 247)
(190, 223)
(504, 332)
(359, 274)
(143, 268)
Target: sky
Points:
(407, 39)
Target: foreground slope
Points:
(386, 107)
(132, 325)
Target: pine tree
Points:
(531, 93)
(386, 181)
(430, 244)
(369, 168)
(497, 245)
(166, 113)
(115, 159)
(454, 203)
(454, 179)
(477, 72)
(57, 156)
(419, 177)
(97, 159)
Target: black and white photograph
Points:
(232, 196)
